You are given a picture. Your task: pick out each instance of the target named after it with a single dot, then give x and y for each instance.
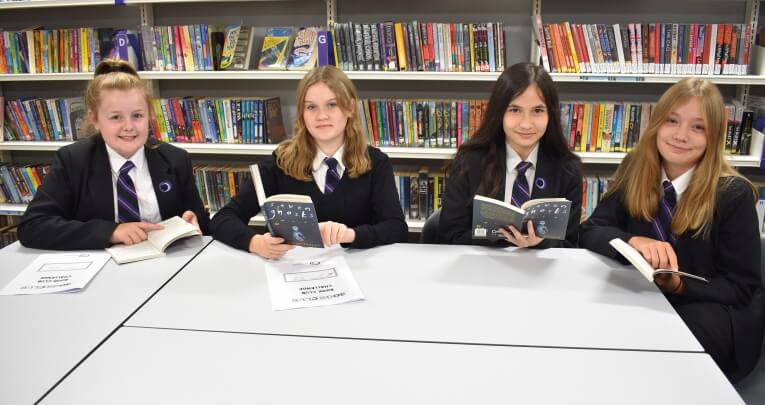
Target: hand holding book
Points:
(647, 269)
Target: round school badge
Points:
(165, 186)
(540, 183)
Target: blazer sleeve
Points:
(457, 211)
(608, 221)
(231, 224)
(47, 222)
(737, 259)
(191, 199)
(388, 224)
(571, 187)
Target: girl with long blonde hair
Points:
(677, 201)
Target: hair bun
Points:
(109, 65)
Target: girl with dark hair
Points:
(327, 158)
(678, 202)
(518, 153)
(114, 186)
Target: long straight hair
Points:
(295, 155)
(489, 138)
(639, 175)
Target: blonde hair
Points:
(113, 74)
(295, 155)
(639, 175)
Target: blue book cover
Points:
(326, 48)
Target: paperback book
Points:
(288, 216)
(549, 216)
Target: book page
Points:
(132, 253)
(57, 272)
(173, 229)
(258, 183)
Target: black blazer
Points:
(729, 258)
(561, 178)
(369, 204)
(74, 206)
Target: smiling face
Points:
(682, 138)
(324, 119)
(525, 121)
(122, 119)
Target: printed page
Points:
(173, 229)
(56, 272)
(311, 283)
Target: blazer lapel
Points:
(102, 187)
(163, 179)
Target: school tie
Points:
(332, 177)
(127, 199)
(521, 192)
(662, 225)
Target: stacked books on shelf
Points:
(603, 127)
(420, 123)
(420, 46)
(593, 189)
(37, 119)
(18, 183)
(218, 120)
(644, 48)
(420, 193)
(616, 126)
(62, 50)
(217, 185)
(8, 230)
(182, 47)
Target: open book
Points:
(645, 268)
(173, 229)
(289, 216)
(549, 215)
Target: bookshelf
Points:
(372, 84)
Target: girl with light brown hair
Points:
(677, 201)
(350, 183)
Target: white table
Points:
(42, 337)
(430, 293)
(142, 366)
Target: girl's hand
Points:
(521, 240)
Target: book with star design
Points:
(549, 216)
(289, 216)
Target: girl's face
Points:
(682, 138)
(123, 120)
(323, 117)
(525, 121)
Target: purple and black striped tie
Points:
(521, 192)
(127, 199)
(332, 177)
(662, 225)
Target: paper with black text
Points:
(57, 272)
(645, 268)
(311, 283)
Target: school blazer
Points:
(553, 178)
(729, 258)
(74, 206)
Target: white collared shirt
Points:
(512, 160)
(680, 183)
(320, 168)
(144, 188)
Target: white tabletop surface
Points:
(42, 337)
(431, 293)
(155, 366)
